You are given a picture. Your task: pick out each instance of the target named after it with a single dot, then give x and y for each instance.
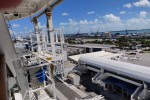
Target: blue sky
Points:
(93, 15)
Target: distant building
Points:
(106, 35)
(123, 35)
(19, 45)
(19, 38)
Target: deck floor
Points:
(66, 91)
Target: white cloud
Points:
(142, 3)
(129, 5)
(94, 25)
(91, 12)
(65, 14)
(143, 14)
(72, 22)
(112, 18)
(12, 32)
(15, 25)
(84, 22)
(109, 22)
(63, 24)
(41, 26)
(96, 21)
(82, 26)
(122, 12)
(138, 23)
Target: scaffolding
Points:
(47, 51)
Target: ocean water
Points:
(131, 31)
(121, 32)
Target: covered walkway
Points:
(129, 88)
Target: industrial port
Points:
(48, 64)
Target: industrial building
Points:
(113, 73)
(88, 48)
(107, 35)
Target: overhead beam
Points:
(37, 66)
(54, 4)
(27, 10)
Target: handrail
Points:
(4, 95)
(34, 97)
(136, 93)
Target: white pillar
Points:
(44, 46)
(37, 35)
(51, 33)
(38, 42)
(31, 40)
(56, 37)
(62, 35)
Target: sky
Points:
(93, 15)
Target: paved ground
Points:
(145, 59)
(66, 91)
(68, 64)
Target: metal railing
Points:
(34, 97)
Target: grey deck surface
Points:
(66, 91)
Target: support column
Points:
(48, 13)
(31, 40)
(35, 21)
(44, 46)
(102, 71)
(62, 35)
(53, 80)
(56, 38)
(145, 85)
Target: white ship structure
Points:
(39, 73)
